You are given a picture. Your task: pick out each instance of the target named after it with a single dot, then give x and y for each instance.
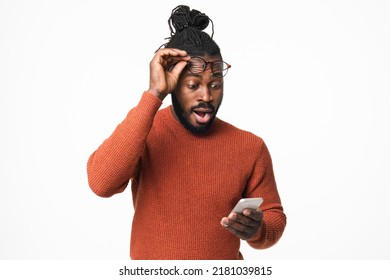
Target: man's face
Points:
(197, 97)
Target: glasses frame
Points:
(211, 63)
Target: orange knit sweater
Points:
(183, 184)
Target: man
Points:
(187, 167)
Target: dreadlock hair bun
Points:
(183, 17)
(187, 33)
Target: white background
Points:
(312, 78)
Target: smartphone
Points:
(247, 203)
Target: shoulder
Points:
(242, 137)
(225, 127)
(162, 116)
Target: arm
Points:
(115, 162)
(263, 227)
(112, 165)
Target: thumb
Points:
(178, 69)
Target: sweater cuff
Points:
(149, 102)
(141, 116)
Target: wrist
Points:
(157, 93)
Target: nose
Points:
(205, 95)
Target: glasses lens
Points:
(196, 65)
(219, 68)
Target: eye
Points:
(192, 86)
(216, 86)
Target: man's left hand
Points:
(243, 225)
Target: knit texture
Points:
(183, 184)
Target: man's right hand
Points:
(161, 80)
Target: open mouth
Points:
(202, 116)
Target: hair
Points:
(187, 33)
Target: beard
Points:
(183, 116)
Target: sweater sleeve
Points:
(262, 184)
(115, 162)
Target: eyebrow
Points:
(189, 74)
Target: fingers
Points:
(256, 215)
(178, 68)
(161, 81)
(169, 56)
(171, 52)
(240, 234)
(243, 225)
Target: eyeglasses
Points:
(197, 65)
